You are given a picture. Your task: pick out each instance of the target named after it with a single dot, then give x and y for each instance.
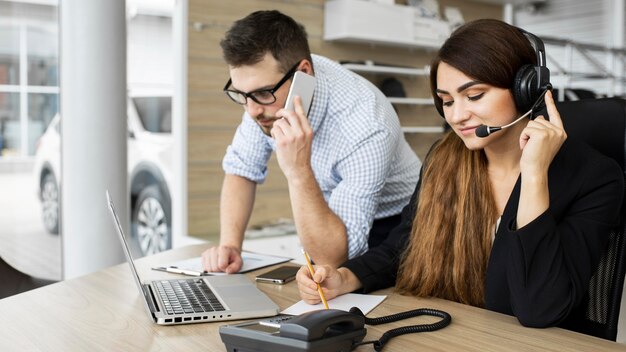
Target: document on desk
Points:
(344, 302)
(193, 266)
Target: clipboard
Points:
(193, 266)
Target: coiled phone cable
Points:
(380, 343)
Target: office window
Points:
(28, 102)
(9, 59)
(41, 109)
(150, 80)
(9, 123)
(42, 57)
(33, 44)
(30, 139)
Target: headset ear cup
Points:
(523, 91)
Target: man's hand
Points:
(293, 135)
(222, 258)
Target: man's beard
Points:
(267, 128)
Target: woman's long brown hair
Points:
(451, 238)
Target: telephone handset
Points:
(321, 330)
(322, 324)
(324, 330)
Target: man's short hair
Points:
(251, 37)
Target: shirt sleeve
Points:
(249, 152)
(355, 199)
(551, 260)
(378, 268)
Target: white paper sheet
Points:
(344, 302)
(251, 261)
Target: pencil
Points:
(319, 288)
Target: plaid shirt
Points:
(361, 161)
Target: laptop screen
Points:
(120, 233)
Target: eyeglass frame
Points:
(272, 90)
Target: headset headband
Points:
(540, 52)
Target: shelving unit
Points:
(605, 64)
(373, 23)
(371, 68)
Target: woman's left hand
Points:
(541, 140)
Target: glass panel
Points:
(42, 57)
(29, 210)
(41, 110)
(9, 51)
(150, 81)
(155, 113)
(9, 124)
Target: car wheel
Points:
(151, 221)
(50, 203)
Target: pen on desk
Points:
(319, 288)
(174, 270)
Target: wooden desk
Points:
(103, 312)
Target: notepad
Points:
(251, 261)
(366, 303)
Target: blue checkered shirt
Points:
(361, 161)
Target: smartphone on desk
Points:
(303, 85)
(280, 275)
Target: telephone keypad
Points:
(276, 321)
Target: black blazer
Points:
(539, 273)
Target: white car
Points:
(149, 172)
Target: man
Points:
(348, 167)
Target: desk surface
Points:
(103, 312)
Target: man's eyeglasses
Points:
(261, 96)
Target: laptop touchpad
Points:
(229, 292)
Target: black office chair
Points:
(602, 124)
(15, 281)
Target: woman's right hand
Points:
(330, 279)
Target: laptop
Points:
(197, 300)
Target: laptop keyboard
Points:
(187, 296)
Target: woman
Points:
(514, 222)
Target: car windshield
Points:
(155, 113)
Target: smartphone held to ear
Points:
(281, 275)
(302, 85)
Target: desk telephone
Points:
(327, 330)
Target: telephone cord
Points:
(380, 343)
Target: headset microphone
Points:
(483, 131)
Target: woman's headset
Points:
(530, 82)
